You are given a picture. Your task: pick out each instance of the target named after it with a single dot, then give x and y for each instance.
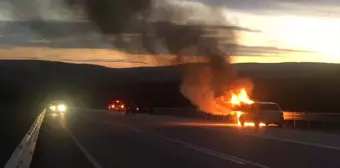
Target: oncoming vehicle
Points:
(262, 112)
(56, 108)
(117, 106)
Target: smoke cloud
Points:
(166, 28)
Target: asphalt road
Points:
(85, 138)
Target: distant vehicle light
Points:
(122, 106)
(61, 108)
(53, 108)
(137, 108)
(113, 106)
(117, 101)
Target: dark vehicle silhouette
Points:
(262, 112)
(132, 109)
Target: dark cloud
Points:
(111, 16)
(82, 35)
(115, 17)
(60, 34)
(57, 9)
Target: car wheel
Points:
(242, 122)
(257, 124)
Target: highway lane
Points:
(55, 147)
(113, 146)
(95, 139)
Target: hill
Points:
(295, 86)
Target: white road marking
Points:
(212, 152)
(203, 150)
(283, 139)
(85, 152)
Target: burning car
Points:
(251, 113)
(260, 114)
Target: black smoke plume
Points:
(185, 40)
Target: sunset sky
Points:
(285, 31)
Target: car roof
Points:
(268, 103)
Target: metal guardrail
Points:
(307, 116)
(288, 115)
(22, 155)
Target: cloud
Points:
(14, 10)
(6, 10)
(58, 10)
(58, 34)
(286, 6)
(281, 7)
(66, 37)
(70, 35)
(79, 42)
(118, 59)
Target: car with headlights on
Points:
(56, 108)
(117, 106)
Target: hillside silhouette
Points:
(294, 86)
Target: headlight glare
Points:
(61, 108)
(53, 107)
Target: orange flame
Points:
(241, 98)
